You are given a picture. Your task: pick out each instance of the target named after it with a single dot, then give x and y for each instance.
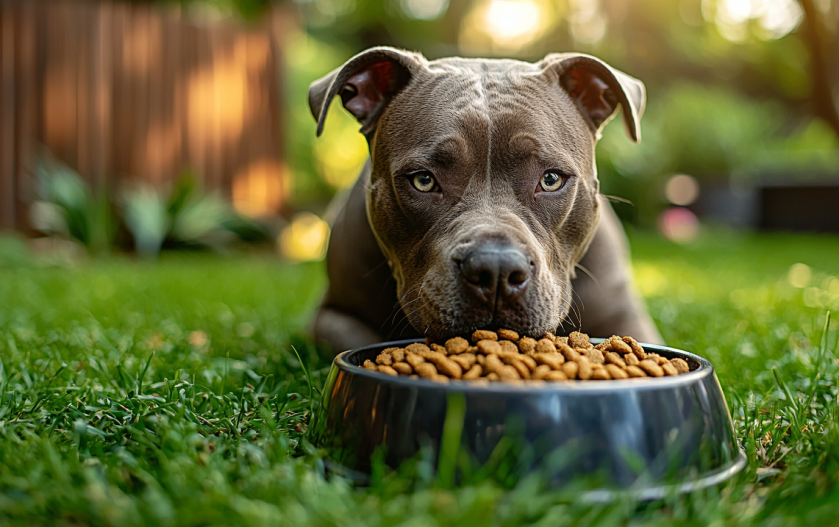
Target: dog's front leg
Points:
(342, 331)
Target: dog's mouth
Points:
(441, 316)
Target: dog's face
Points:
(483, 193)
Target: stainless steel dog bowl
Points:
(646, 437)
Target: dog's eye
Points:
(423, 181)
(552, 181)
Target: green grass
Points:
(168, 393)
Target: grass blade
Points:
(450, 443)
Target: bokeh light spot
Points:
(305, 238)
(505, 26)
(424, 9)
(679, 225)
(799, 275)
(681, 190)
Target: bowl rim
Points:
(613, 385)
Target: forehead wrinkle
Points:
(525, 145)
(437, 151)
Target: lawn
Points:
(175, 393)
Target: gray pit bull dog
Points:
(479, 201)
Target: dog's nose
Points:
(493, 271)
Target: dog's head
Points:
(483, 193)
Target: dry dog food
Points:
(505, 356)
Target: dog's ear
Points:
(597, 88)
(367, 82)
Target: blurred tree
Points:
(821, 35)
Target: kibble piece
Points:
(616, 372)
(481, 359)
(631, 359)
(654, 357)
(555, 376)
(604, 346)
(521, 368)
(440, 378)
(449, 367)
(444, 364)
(681, 365)
(550, 336)
(635, 371)
(584, 373)
(554, 360)
(662, 360)
(528, 361)
(614, 358)
(384, 359)
(493, 363)
(508, 347)
(489, 347)
(619, 346)
(398, 355)
(403, 368)
(541, 371)
(561, 341)
(439, 349)
(457, 345)
(493, 377)
(636, 348)
(388, 370)
(473, 373)
(426, 370)
(600, 374)
(669, 369)
(570, 369)
(578, 340)
(483, 334)
(369, 365)
(417, 348)
(465, 360)
(508, 334)
(414, 360)
(527, 344)
(545, 345)
(569, 353)
(595, 356)
(390, 350)
(651, 367)
(508, 373)
(472, 349)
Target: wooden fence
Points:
(120, 91)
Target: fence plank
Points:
(7, 115)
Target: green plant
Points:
(68, 207)
(154, 219)
(184, 217)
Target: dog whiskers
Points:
(589, 273)
(616, 199)
(397, 307)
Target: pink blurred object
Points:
(678, 224)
